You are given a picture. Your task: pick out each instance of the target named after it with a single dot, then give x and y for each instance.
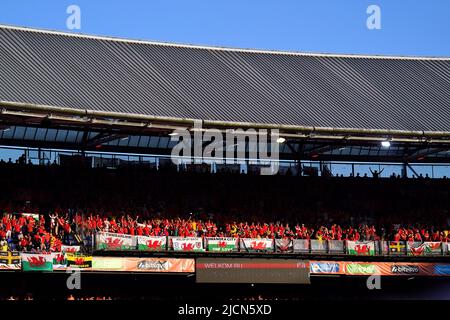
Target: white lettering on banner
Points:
(221, 244)
(187, 244)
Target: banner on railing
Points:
(115, 241)
(108, 264)
(187, 244)
(221, 244)
(301, 245)
(358, 268)
(397, 247)
(59, 260)
(361, 248)
(424, 248)
(284, 245)
(319, 246)
(336, 246)
(151, 243)
(327, 267)
(9, 260)
(37, 262)
(256, 245)
(120, 264)
(442, 270)
(380, 268)
(78, 261)
(160, 265)
(70, 248)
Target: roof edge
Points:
(219, 48)
(386, 133)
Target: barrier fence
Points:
(113, 241)
(352, 268)
(62, 261)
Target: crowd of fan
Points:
(22, 232)
(25, 233)
(199, 228)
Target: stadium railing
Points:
(120, 242)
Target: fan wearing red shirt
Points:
(417, 237)
(24, 243)
(67, 228)
(146, 230)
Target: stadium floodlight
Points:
(281, 140)
(386, 143)
(173, 133)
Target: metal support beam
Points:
(412, 169)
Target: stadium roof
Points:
(78, 92)
(99, 76)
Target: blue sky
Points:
(409, 27)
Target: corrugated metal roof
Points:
(157, 79)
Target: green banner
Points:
(361, 268)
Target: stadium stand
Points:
(97, 119)
(136, 201)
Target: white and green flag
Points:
(37, 262)
(361, 248)
(221, 244)
(151, 243)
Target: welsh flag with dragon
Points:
(361, 248)
(59, 260)
(114, 241)
(424, 248)
(221, 244)
(257, 245)
(151, 243)
(37, 262)
(79, 261)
